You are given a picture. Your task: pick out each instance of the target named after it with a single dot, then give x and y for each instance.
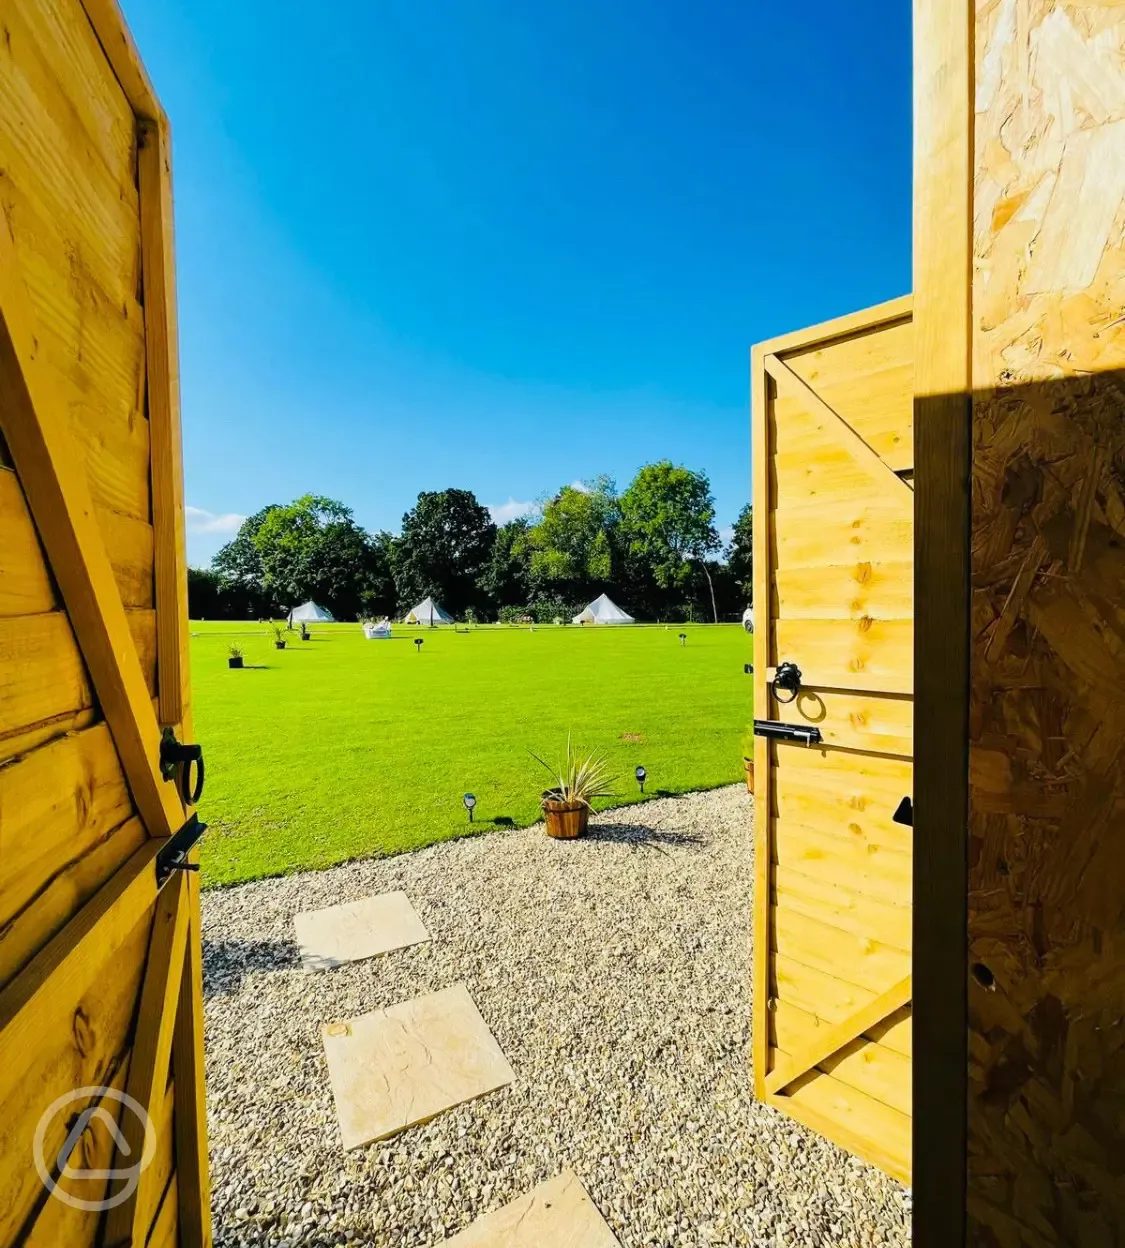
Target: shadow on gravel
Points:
(640, 836)
(225, 962)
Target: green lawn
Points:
(340, 747)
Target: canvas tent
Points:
(427, 612)
(603, 610)
(310, 613)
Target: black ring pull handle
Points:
(172, 755)
(787, 679)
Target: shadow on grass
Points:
(226, 962)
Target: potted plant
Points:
(234, 656)
(279, 637)
(748, 757)
(304, 632)
(566, 805)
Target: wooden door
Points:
(100, 968)
(833, 578)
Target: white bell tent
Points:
(427, 612)
(310, 613)
(603, 610)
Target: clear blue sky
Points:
(504, 246)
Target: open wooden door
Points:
(833, 578)
(102, 1130)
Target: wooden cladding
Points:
(833, 450)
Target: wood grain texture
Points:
(54, 482)
(834, 594)
(1046, 874)
(163, 391)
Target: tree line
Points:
(653, 547)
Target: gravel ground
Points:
(613, 971)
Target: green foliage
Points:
(444, 550)
(578, 779)
(740, 558)
(384, 742)
(506, 579)
(668, 517)
(573, 543)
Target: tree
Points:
(239, 565)
(668, 518)
(444, 549)
(740, 559)
(313, 549)
(573, 543)
(506, 580)
(205, 595)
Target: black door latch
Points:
(172, 755)
(904, 813)
(172, 855)
(774, 730)
(788, 679)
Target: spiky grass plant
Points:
(579, 779)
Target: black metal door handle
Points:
(774, 730)
(787, 678)
(173, 754)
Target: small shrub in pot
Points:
(566, 804)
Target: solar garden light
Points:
(641, 774)
(417, 645)
(683, 638)
(470, 801)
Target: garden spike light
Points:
(470, 801)
(683, 638)
(417, 645)
(641, 774)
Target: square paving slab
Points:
(357, 930)
(403, 1065)
(556, 1214)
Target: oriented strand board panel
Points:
(356, 930)
(403, 1065)
(556, 1214)
(834, 562)
(1047, 695)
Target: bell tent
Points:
(603, 610)
(427, 612)
(310, 613)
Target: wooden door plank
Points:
(120, 50)
(867, 589)
(795, 1028)
(129, 1221)
(191, 1108)
(64, 1022)
(855, 530)
(852, 720)
(881, 473)
(873, 656)
(36, 430)
(861, 322)
(867, 1128)
(867, 869)
(831, 902)
(170, 564)
(840, 1034)
(762, 550)
(852, 958)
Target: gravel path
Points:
(614, 973)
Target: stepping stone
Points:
(556, 1214)
(403, 1065)
(357, 930)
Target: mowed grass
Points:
(339, 747)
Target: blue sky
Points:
(505, 246)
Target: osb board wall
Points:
(1047, 701)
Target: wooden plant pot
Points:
(235, 662)
(279, 645)
(565, 820)
(748, 764)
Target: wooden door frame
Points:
(943, 181)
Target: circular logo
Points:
(94, 1111)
